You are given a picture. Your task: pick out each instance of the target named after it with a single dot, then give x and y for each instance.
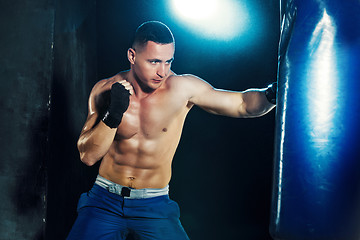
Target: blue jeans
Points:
(104, 215)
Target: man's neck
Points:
(140, 90)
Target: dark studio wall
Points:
(26, 33)
(53, 52)
(47, 65)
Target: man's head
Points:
(152, 31)
(151, 55)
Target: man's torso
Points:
(146, 140)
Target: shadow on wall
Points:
(74, 75)
(68, 176)
(29, 196)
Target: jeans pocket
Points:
(89, 199)
(175, 209)
(82, 201)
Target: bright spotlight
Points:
(196, 10)
(216, 19)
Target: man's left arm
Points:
(245, 104)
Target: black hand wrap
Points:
(118, 105)
(271, 92)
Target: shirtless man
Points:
(134, 125)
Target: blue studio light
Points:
(324, 102)
(213, 19)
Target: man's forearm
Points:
(95, 143)
(256, 103)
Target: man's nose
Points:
(161, 71)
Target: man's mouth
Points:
(157, 80)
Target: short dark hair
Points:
(154, 31)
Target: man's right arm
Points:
(96, 138)
(94, 142)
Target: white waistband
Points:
(130, 193)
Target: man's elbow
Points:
(85, 156)
(88, 159)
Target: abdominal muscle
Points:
(140, 163)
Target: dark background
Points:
(53, 52)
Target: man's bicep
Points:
(222, 102)
(217, 101)
(199, 90)
(96, 105)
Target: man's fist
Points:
(119, 103)
(271, 92)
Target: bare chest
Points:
(152, 117)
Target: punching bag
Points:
(316, 186)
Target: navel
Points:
(131, 183)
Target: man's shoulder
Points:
(183, 80)
(106, 83)
(183, 76)
(187, 82)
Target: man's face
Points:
(152, 63)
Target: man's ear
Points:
(131, 55)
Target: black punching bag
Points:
(316, 188)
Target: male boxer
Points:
(134, 125)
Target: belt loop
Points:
(112, 188)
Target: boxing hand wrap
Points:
(119, 103)
(271, 92)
